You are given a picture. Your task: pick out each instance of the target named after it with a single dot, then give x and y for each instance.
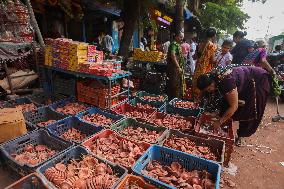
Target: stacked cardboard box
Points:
(92, 53)
(64, 55)
(48, 55)
(78, 55)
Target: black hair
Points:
(211, 32)
(204, 81)
(227, 42)
(178, 33)
(240, 34)
(278, 47)
(251, 43)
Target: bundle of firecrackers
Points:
(147, 56)
(101, 69)
(94, 93)
(77, 56)
(68, 54)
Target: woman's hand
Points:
(216, 126)
(179, 70)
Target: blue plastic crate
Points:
(19, 101)
(77, 153)
(170, 108)
(158, 103)
(166, 156)
(216, 146)
(35, 138)
(184, 112)
(107, 114)
(64, 84)
(60, 127)
(135, 100)
(63, 102)
(42, 114)
(46, 99)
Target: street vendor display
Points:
(72, 55)
(148, 56)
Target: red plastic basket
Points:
(29, 181)
(138, 181)
(160, 115)
(124, 108)
(106, 133)
(229, 139)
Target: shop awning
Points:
(105, 7)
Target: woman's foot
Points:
(240, 141)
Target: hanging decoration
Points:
(15, 22)
(70, 8)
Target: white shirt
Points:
(193, 48)
(223, 59)
(107, 43)
(165, 46)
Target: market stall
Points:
(86, 130)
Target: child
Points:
(224, 57)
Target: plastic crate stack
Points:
(64, 85)
(154, 83)
(96, 93)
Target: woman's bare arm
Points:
(265, 65)
(174, 58)
(232, 99)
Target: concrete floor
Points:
(6, 178)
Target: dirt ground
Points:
(256, 170)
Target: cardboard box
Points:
(12, 124)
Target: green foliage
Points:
(226, 17)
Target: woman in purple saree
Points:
(245, 83)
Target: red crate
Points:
(30, 181)
(105, 134)
(160, 115)
(229, 139)
(131, 179)
(122, 109)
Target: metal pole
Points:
(8, 78)
(34, 23)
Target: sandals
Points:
(240, 141)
